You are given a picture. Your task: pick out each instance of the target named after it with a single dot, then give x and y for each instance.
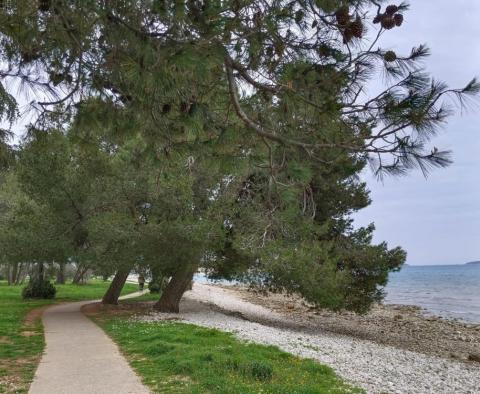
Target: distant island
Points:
(473, 263)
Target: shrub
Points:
(39, 289)
(154, 287)
(260, 371)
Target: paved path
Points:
(80, 358)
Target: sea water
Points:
(451, 291)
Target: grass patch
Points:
(174, 357)
(21, 341)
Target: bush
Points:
(154, 287)
(39, 289)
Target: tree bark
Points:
(80, 273)
(22, 273)
(76, 275)
(15, 273)
(113, 292)
(170, 299)
(41, 272)
(11, 273)
(61, 274)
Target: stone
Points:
(475, 357)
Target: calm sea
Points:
(451, 291)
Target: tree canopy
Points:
(227, 135)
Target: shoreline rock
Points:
(355, 346)
(408, 327)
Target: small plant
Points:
(39, 289)
(231, 364)
(207, 357)
(260, 371)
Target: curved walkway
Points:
(80, 358)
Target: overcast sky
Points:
(437, 220)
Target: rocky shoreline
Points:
(403, 326)
(380, 352)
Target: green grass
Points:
(184, 358)
(20, 344)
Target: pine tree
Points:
(254, 115)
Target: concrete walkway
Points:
(80, 358)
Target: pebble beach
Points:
(423, 354)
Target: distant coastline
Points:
(473, 263)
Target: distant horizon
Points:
(437, 264)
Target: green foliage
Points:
(8, 106)
(172, 72)
(260, 371)
(183, 358)
(39, 289)
(224, 135)
(154, 287)
(341, 273)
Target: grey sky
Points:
(437, 220)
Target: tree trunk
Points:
(15, 273)
(41, 272)
(113, 292)
(76, 275)
(170, 299)
(61, 274)
(80, 273)
(22, 273)
(11, 273)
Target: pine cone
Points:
(390, 56)
(57, 78)
(347, 35)
(356, 28)
(342, 15)
(29, 56)
(391, 9)
(323, 50)
(378, 18)
(388, 22)
(166, 108)
(44, 5)
(398, 18)
(184, 107)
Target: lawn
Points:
(173, 357)
(21, 341)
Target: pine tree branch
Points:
(243, 72)
(72, 92)
(256, 127)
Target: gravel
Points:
(375, 367)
